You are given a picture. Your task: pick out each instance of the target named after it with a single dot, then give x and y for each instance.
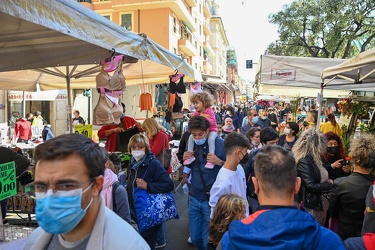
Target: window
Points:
(175, 29)
(127, 22)
(107, 16)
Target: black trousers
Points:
(151, 235)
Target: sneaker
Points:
(209, 165)
(189, 160)
(160, 245)
(189, 241)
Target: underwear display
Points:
(110, 64)
(106, 112)
(116, 82)
(195, 87)
(177, 87)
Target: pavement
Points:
(177, 231)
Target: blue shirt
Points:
(197, 189)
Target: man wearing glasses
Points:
(69, 208)
(252, 121)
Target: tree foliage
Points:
(324, 28)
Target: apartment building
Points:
(191, 28)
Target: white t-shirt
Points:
(228, 182)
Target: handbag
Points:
(165, 156)
(153, 209)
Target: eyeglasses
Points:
(35, 187)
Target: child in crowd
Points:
(230, 207)
(202, 103)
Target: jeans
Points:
(199, 221)
(161, 235)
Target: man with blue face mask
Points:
(253, 119)
(201, 179)
(69, 208)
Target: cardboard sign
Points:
(83, 129)
(8, 185)
(36, 131)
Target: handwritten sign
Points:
(83, 129)
(36, 131)
(8, 186)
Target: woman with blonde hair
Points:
(331, 126)
(348, 200)
(146, 172)
(315, 186)
(159, 139)
(230, 207)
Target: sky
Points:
(248, 30)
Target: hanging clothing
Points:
(195, 87)
(22, 129)
(105, 113)
(177, 87)
(161, 93)
(145, 101)
(172, 100)
(116, 82)
(178, 104)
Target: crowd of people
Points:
(252, 183)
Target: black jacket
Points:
(348, 203)
(8, 155)
(333, 173)
(311, 189)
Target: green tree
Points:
(324, 28)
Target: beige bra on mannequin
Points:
(116, 82)
(106, 112)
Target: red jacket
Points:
(111, 140)
(23, 129)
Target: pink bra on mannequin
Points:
(110, 64)
(116, 82)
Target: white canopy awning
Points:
(290, 71)
(53, 33)
(357, 73)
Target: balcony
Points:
(179, 7)
(207, 47)
(207, 9)
(207, 28)
(187, 47)
(191, 3)
(207, 66)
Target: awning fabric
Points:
(53, 33)
(292, 71)
(357, 73)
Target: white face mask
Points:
(286, 131)
(138, 154)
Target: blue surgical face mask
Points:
(201, 141)
(255, 119)
(60, 212)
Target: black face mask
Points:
(333, 150)
(244, 159)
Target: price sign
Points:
(8, 186)
(36, 131)
(83, 129)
